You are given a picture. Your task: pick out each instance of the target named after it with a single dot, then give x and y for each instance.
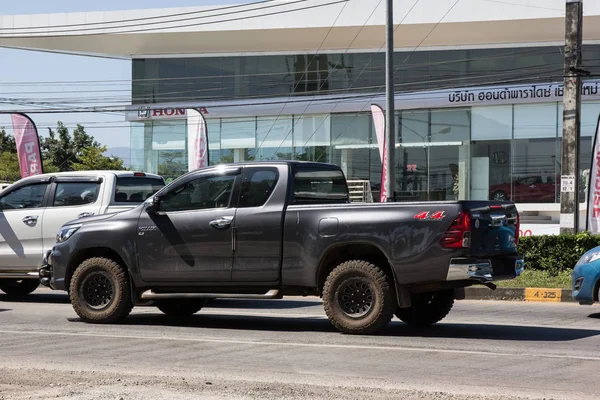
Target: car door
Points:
(70, 198)
(189, 237)
(258, 224)
(22, 210)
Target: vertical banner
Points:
(379, 121)
(593, 206)
(197, 140)
(28, 145)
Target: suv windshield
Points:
(133, 189)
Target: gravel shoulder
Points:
(30, 384)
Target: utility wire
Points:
(538, 69)
(406, 59)
(20, 36)
(420, 94)
(120, 21)
(149, 81)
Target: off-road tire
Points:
(374, 281)
(180, 307)
(427, 308)
(18, 287)
(117, 308)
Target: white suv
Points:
(33, 209)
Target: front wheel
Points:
(180, 307)
(100, 292)
(18, 287)
(357, 298)
(427, 308)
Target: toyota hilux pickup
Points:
(272, 229)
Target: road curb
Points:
(520, 294)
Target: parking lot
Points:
(287, 349)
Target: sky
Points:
(18, 67)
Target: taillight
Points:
(458, 235)
(139, 174)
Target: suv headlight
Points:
(66, 232)
(588, 258)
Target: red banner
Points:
(379, 121)
(28, 145)
(593, 207)
(198, 156)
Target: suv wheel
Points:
(427, 308)
(18, 287)
(180, 307)
(100, 292)
(357, 298)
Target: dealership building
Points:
(478, 88)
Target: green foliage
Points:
(61, 151)
(171, 164)
(539, 279)
(555, 253)
(92, 158)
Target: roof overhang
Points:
(330, 28)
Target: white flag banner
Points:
(197, 140)
(379, 122)
(593, 207)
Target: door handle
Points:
(221, 223)
(30, 220)
(86, 214)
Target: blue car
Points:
(586, 277)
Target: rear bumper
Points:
(485, 270)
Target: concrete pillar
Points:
(239, 155)
(464, 165)
(346, 162)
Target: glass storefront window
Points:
(312, 138)
(491, 123)
(238, 139)
(350, 140)
(535, 121)
(274, 138)
(535, 170)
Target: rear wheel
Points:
(357, 298)
(180, 307)
(18, 287)
(427, 308)
(100, 292)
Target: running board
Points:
(150, 295)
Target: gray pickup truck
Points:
(272, 229)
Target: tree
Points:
(92, 158)
(77, 153)
(9, 163)
(171, 165)
(60, 152)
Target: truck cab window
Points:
(257, 186)
(76, 194)
(30, 196)
(320, 187)
(199, 194)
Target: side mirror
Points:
(153, 205)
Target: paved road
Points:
(286, 349)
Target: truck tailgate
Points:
(494, 228)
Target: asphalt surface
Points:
(286, 349)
